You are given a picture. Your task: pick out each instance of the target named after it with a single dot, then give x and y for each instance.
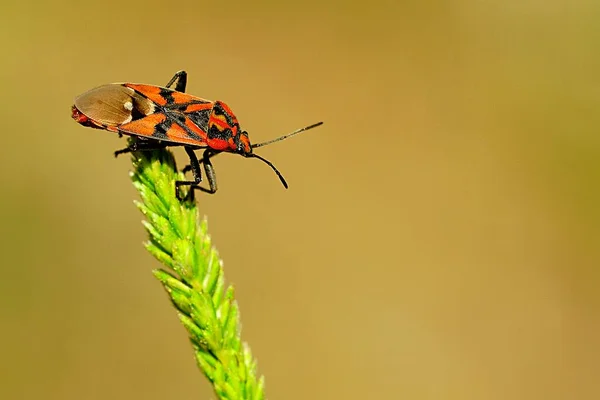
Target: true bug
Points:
(166, 116)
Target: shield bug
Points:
(159, 117)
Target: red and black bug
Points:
(159, 117)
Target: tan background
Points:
(440, 238)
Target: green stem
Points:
(194, 281)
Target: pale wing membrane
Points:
(113, 105)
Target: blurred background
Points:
(440, 238)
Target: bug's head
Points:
(242, 142)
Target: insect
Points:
(166, 116)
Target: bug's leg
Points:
(207, 155)
(195, 168)
(179, 80)
(140, 146)
(210, 172)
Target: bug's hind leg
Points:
(195, 168)
(141, 146)
(179, 80)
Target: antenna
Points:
(270, 165)
(283, 138)
(277, 140)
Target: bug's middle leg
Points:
(195, 168)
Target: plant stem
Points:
(194, 279)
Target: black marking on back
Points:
(179, 119)
(200, 118)
(167, 94)
(160, 130)
(218, 110)
(214, 133)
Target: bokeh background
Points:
(440, 238)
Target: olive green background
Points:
(440, 238)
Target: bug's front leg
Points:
(210, 172)
(208, 154)
(179, 80)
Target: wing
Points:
(149, 111)
(113, 105)
(185, 116)
(168, 98)
(169, 126)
